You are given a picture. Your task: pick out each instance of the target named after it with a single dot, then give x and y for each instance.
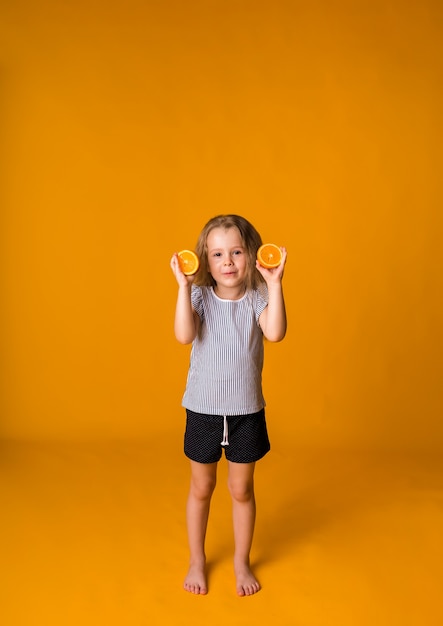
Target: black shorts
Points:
(247, 436)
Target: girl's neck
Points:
(236, 293)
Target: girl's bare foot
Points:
(247, 584)
(195, 581)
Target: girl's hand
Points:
(275, 274)
(183, 281)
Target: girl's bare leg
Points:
(203, 480)
(241, 487)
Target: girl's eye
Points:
(237, 252)
(217, 253)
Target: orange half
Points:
(269, 255)
(189, 262)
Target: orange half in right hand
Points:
(269, 255)
(189, 262)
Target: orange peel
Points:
(188, 261)
(269, 255)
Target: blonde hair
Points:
(251, 240)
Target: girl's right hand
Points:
(182, 279)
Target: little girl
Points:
(225, 310)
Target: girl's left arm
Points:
(273, 319)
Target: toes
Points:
(195, 589)
(248, 590)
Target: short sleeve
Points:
(197, 300)
(260, 301)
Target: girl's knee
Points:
(241, 491)
(203, 488)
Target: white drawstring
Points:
(225, 441)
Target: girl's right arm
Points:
(187, 321)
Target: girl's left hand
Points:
(273, 274)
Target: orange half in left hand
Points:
(189, 262)
(269, 255)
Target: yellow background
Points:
(127, 125)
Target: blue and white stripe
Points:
(225, 372)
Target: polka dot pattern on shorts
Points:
(247, 435)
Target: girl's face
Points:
(227, 260)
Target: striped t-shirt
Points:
(225, 372)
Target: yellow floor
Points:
(94, 534)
